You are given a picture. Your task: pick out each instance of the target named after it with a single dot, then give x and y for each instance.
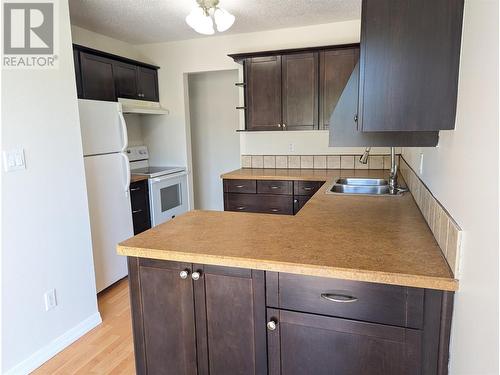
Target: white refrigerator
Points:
(107, 172)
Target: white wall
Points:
(104, 43)
(470, 152)
(215, 144)
(169, 136)
(46, 239)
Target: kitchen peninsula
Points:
(228, 292)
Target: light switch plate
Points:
(13, 159)
(50, 299)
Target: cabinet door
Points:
(230, 321)
(162, 317)
(409, 60)
(335, 67)
(139, 199)
(148, 84)
(125, 80)
(263, 95)
(300, 91)
(78, 74)
(97, 77)
(314, 344)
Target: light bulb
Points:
(223, 19)
(200, 22)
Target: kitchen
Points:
(359, 230)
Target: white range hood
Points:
(142, 106)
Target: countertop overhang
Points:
(375, 239)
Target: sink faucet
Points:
(364, 158)
(393, 176)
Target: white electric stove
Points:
(167, 185)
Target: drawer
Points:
(370, 302)
(274, 187)
(261, 203)
(240, 186)
(307, 187)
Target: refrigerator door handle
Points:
(124, 131)
(127, 172)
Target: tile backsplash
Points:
(315, 161)
(446, 231)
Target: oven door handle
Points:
(168, 176)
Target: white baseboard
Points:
(48, 351)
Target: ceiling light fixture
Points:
(202, 18)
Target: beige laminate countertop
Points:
(376, 239)
(137, 177)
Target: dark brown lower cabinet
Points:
(268, 196)
(200, 319)
(313, 344)
(163, 317)
(197, 319)
(230, 321)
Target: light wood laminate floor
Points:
(108, 348)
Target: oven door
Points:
(168, 197)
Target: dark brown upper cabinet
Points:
(104, 76)
(148, 83)
(125, 80)
(409, 62)
(335, 68)
(263, 94)
(300, 91)
(97, 77)
(295, 89)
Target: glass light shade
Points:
(200, 22)
(223, 19)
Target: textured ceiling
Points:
(149, 21)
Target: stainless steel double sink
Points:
(364, 186)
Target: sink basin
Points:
(359, 189)
(364, 186)
(362, 181)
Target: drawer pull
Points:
(308, 188)
(240, 186)
(275, 187)
(275, 210)
(241, 208)
(135, 189)
(342, 298)
(136, 211)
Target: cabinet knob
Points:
(279, 125)
(272, 324)
(284, 126)
(184, 274)
(195, 276)
(356, 118)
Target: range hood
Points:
(344, 130)
(142, 107)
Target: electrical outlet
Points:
(50, 299)
(13, 160)
(421, 165)
(291, 147)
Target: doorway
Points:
(215, 144)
